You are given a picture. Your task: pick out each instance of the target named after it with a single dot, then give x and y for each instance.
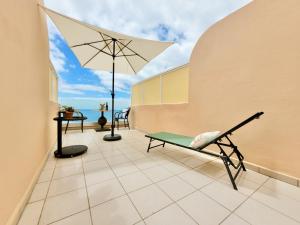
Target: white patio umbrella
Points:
(101, 49)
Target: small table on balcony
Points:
(75, 118)
(68, 151)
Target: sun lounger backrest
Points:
(229, 132)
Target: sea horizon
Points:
(94, 114)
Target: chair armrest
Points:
(117, 115)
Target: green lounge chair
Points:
(225, 155)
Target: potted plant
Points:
(68, 112)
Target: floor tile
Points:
(283, 188)
(66, 171)
(39, 192)
(282, 203)
(66, 184)
(92, 157)
(82, 218)
(213, 170)
(203, 209)
(163, 160)
(104, 191)
(172, 215)
(111, 153)
(192, 161)
(45, 175)
(134, 156)
(134, 181)
(115, 160)
(195, 178)
(145, 163)
(257, 213)
(253, 176)
(68, 162)
(49, 165)
(178, 156)
(31, 213)
(125, 168)
(234, 220)
(157, 173)
(175, 188)
(175, 168)
(94, 165)
(225, 195)
(118, 211)
(64, 205)
(98, 176)
(149, 200)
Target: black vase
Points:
(102, 121)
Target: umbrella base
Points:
(108, 137)
(70, 151)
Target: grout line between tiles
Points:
(124, 191)
(248, 197)
(87, 195)
(46, 194)
(270, 207)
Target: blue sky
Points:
(182, 22)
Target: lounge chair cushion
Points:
(204, 138)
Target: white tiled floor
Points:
(118, 183)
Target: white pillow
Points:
(204, 138)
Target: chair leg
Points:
(149, 145)
(229, 173)
(128, 124)
(117, 123)
(67, 127)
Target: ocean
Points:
(93, 115)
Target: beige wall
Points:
(53, 84)
(246, 63)
(170, 87)
(24, 101)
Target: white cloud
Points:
(57, 57)
(78, 89)
(185, 21)
(122, 81)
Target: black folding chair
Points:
(123, 115)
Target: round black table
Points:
(68, 151)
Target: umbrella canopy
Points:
(93, 46)
(101, 49)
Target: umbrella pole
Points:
(112, 136)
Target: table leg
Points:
(67, 127)
(59, 136)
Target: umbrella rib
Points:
(134, 52)
(88, 43)
(126, 59)
(123, 47)
(99, 50)
(106, 42)
(125, 55)
(91, 58)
